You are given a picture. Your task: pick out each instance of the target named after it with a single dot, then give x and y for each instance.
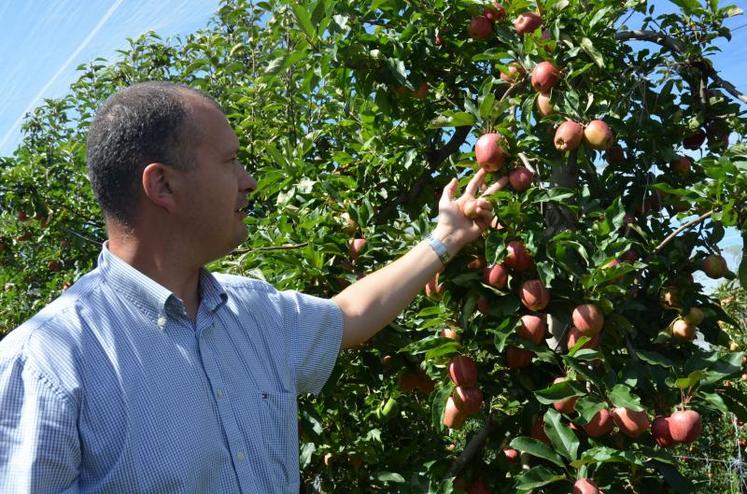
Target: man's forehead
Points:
(211, 125)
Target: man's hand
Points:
(374, 301)
(462, 220)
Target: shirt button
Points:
(161, 321)
(240, 456)
(219, 393)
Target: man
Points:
(151, 374)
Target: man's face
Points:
(216, 188)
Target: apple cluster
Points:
(466, 399)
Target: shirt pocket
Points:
(280, 434)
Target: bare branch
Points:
(690, 224)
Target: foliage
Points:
(327, 99)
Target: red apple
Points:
(22, 216)
(718, 135)
(574, 335)
(532, 327)
(527, 23)
(685, 426)
(422, 91)
(495, 276)
(480, 27)
(476, 263)
(356, 247)
(54, 265)
(694, 141)
(598, 135)
(615, 155)
(489, 153)
(681, 165)
(511, 454)
(463, 371)
(518, 358)
(600, 424)
(714, 266)
(566, 405)
(568, 136)
(478, 488)
(588, 318)
(515, 73)
(660, 430)
(495, 12)
(453, 417)
(683, 331)
(585, 486)
(517, 256)
(545, 76)
(534, 295)
(631, 423)
(520, 178)
(468, 400)
(544, 104)
(483, 305)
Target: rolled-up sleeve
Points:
(316, 326)
(39, 442)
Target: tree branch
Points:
(680, 229)
(473, 448)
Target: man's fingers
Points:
(499, 184)
(474, 184)
(450, 191)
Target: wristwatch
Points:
(439, 248)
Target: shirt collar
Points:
(151, 298)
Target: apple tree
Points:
(571, 344)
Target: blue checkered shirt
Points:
(112, 388)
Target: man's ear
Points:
(158, 184)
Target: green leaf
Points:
(691, 380)
(537, 448)
(561, 436)
(621, 396)
(304, 20)
(558, 391)
(590, 50)
(653, 358)
(390, 477)
(715, 401)
(604, 454)
(536, 477)
(452, 119)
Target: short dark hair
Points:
(141, 124)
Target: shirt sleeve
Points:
(39, 444)
(316, 335)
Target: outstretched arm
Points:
(374, 301)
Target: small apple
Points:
(511, 454)
(463, 371)
(453, 418)
(22, 216)
(468, 400)
(685, 426)
(489, 153)
(545, 76)
(495, 12)
(631, 423)
(588, 319)
(483, 305)
(566, 405)
(534, 295)
(661, 432)
(585, 486)
(683, 331)
(574, 335)
(496, 276)
(54, 265)
(356, 247)
(450, 333)
(480, 27)
(422, 91)
(514, 73)
(714, 266)
(718, 135)
(476, 263)
(615, 155)
(544, 104)
(670, 296)
(478, 487)
(538, 431)
(518, 358)
(598, 135)
(520, 178)
(694, 141)
(600, 424)
(532, 328)
(517, 256)
(681, 165)
(527, 22)
(568, 136)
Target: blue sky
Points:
(43, 41)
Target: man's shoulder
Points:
(236, 282)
